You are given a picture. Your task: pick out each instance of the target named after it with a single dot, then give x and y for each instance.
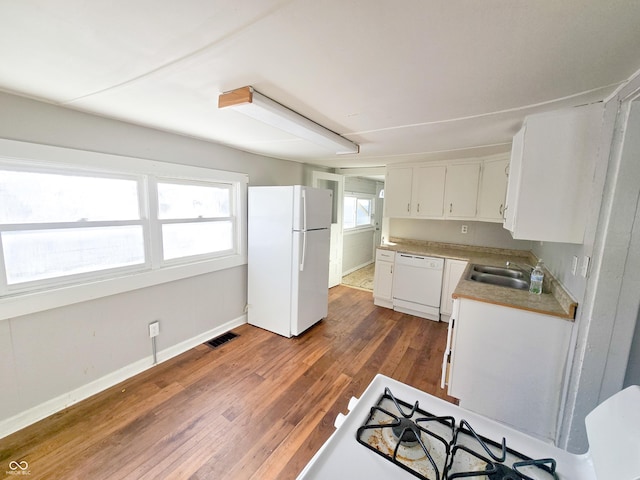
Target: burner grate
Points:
(435, 448)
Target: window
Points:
(195, 219)
(100, 224)
(58, 224)
(358, 211)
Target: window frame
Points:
(35, 157)
(158, 222)
(360, 196)
(70, 279)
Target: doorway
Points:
(335, 183)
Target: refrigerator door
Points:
(310, 297)
(311, 208)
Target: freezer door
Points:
(310, 289)
(311, 208)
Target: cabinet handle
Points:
(504, 212)
(500, 210)
(418, 208)
(408, 207)
(450, 207)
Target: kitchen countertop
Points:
(556, 301)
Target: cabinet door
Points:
(461, 190)
(428, 191)
(397, 201)
(383, 280)
(493, 189)
(557, 153)
(453, 270)
(513, 183)
(494, 346)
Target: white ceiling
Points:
(406, 79)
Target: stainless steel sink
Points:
(502, 271)
(500, 276)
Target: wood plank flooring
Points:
(257, 407)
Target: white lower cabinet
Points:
(453, 270)
(508, 364)
(383, 278)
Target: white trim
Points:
(39, 412)
(28, 303)
(362, 265)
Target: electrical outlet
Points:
(464, 229)
(574, 265)
(154, 329)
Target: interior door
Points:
(335, 183)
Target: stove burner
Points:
(502, 472)
(411, 438)
(406, 431)
(433, 448)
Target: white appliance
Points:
(462, 444)
(288, 257)
(417, 284)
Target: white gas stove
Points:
(396, 431)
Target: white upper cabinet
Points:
(550, 175)
(435, 191)
(397, 192)
(493, 189)
(461, 191)
(428, 191)
(415, 191)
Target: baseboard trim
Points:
(45, 409)
(358, 267)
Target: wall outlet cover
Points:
(154, 329)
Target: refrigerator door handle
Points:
(304, 250)
(304, 212)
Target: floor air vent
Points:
(222, 339)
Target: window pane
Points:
(30, 197)
(193, 201)
(41, 254)
(349, 217)
(187, 239)
(363, 212)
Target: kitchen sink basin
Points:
(502, 271)
(500, 276)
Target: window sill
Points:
(32, 302)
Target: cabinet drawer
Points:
(385, 255)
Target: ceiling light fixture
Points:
(253, 104)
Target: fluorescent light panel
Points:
(253, 104)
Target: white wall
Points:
(607, 298)
(449, 231)
(357, 246)
(54, 358)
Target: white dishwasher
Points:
(417, 284)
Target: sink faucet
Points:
(525, 267)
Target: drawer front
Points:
(385, 255)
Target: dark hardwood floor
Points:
(257, 407)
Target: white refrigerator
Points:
(288, 257)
